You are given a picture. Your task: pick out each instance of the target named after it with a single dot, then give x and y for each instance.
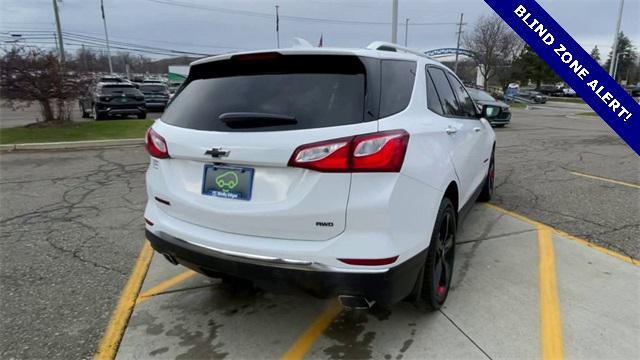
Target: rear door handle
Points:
(451, 130)
(477, 129)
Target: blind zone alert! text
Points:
(578, 69)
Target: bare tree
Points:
(32, 74)
(495, 46)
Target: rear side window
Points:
(466, 104)
(433, 101)
(271, 92)
(449, 102)
(397, 85)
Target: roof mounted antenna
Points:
(387, 46)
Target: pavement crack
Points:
(494, 237)
(465, 334)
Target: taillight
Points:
(105, 98)
(156, 145)
(376, 152)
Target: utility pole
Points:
(394, 22)
(106, 36)
(615, 40)
(406, 30)
(455, 64)
(615, 67)
(59, 28)
(277, 27)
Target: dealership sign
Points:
(574, 65)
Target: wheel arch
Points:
(452, 193)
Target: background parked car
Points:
(483, 98)
(568, 92)
(551, 90)
(533, 96)
(109, 99)
(156, 95)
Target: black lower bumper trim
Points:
(386, 288)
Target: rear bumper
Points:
(388, 286)
(156, 103)
(122, 110)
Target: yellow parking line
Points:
(584, 242)
(309, 337)
(166, 284)
(606, 179)
(550, 323)
(120, 317)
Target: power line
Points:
(212, 46)
(256, 14)
(36, 35)
(49, 39)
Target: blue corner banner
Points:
(574, 65)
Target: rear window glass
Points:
(118, 89)
(271, 92)
(153, 88)
(397, 85)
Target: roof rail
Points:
(387, 46)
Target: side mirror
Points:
(490, 111)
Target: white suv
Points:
(331, 171)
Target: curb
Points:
(71, 145)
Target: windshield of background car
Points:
(153, 88)
(480, 95)
(119, 89)
(316, 90)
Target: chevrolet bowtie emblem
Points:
(217, 153)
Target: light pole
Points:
(406, 31)
(277, 27)
(615, 68)
(615, 39)
(455, 64)
(394, 22)
(106, 36)
(59, 28)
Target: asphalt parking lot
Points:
(72, 231)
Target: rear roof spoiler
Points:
(387, 46)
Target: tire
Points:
(142, 115)
(438, 268)
(489, 182)
(96, 114)
(85, 114)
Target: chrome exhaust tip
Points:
(355, 302)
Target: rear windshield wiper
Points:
(245, 120)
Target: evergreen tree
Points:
(530, 67)
(595, 54)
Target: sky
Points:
(213, 27)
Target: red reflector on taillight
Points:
(370, 262)
(149, 222)
(156, 145)
(376, 152)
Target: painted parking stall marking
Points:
(182, 314)
(574, 65)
